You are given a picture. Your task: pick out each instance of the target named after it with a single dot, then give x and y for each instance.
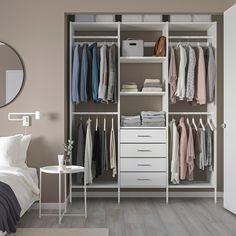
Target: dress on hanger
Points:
(75, 74)
(211, 75)
(111, 93)
(180, 91)
(182, 148)
(84, 75)
(200, 91)
(174, 152)
(88, 153)
(172, 75)
(97, 153)
(190, 154)
(190, 74)
(113, 153)
(102, 90)
(80, 150)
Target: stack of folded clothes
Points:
(153, 118)
(152, 85)
(129, 87)
(129, 121)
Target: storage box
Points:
(132, 18)
(105, 18)
(201, 18)
(152, 18)
(180, 18)
(132, 48)
(84, 18)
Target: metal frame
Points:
(64, 213)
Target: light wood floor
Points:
(146, 217)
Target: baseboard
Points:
(55, 206)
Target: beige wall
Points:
(36, 30)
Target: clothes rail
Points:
(191, 113)
(99, 44)
(95, 113)
(94, 37)
(190, 37)
(189, 43)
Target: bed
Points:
(22, 180)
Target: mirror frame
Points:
(24, 73)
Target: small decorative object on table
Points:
(68, 147)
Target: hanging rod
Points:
(189, 43)
(99, 44)
(95, 113)
(94, 37)
(190, 113)
(190, 37)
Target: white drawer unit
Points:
(143, 150)
(143, 164)
(143, 136)
(143, 180)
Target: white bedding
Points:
(24, 183)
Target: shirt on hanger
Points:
(88, 153)
(174, 152)
(172, 75)
(105, 152)
(113, 153)
(182, 148)
(102, 90)
(97, 154)
(89, 78)
(84, 75)
(200, 91)
(95, 72)
(190, 154)
(209, 147)
(111, 93)
(201, 159)
(190, 74)
(211, 75)
(180, 91)
(75, 74)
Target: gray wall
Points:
(36, 29)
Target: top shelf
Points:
(191, 26)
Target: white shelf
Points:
(190, 26)
(142, 93)
(142, 59)
(194, 184)
(94, 37)
(143, 127)
(98, 184)
(143, 26)
(95, 26)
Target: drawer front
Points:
(143, 136)
(143, 150)
(143, 180)
(143, 164)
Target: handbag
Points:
(160, 47)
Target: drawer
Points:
(143, 150)
(143, 180)
(143, 164)
(143, 136)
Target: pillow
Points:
(9, 149)
(20, 161)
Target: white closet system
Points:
(143, 151)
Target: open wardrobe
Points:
(143, 105)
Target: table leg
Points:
(85, 197)
(70, 188)
(40, 194)
(59, 198)
(65, 194)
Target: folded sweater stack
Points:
(129, 121)
(152, 85)
(153, 118)
(129, 87)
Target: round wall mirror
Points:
(11, 74)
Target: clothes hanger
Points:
(210, 125)
(96, 126)
(188, 123)
(104, 121)
(201, 123)
(112, 123)
(194, 124)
